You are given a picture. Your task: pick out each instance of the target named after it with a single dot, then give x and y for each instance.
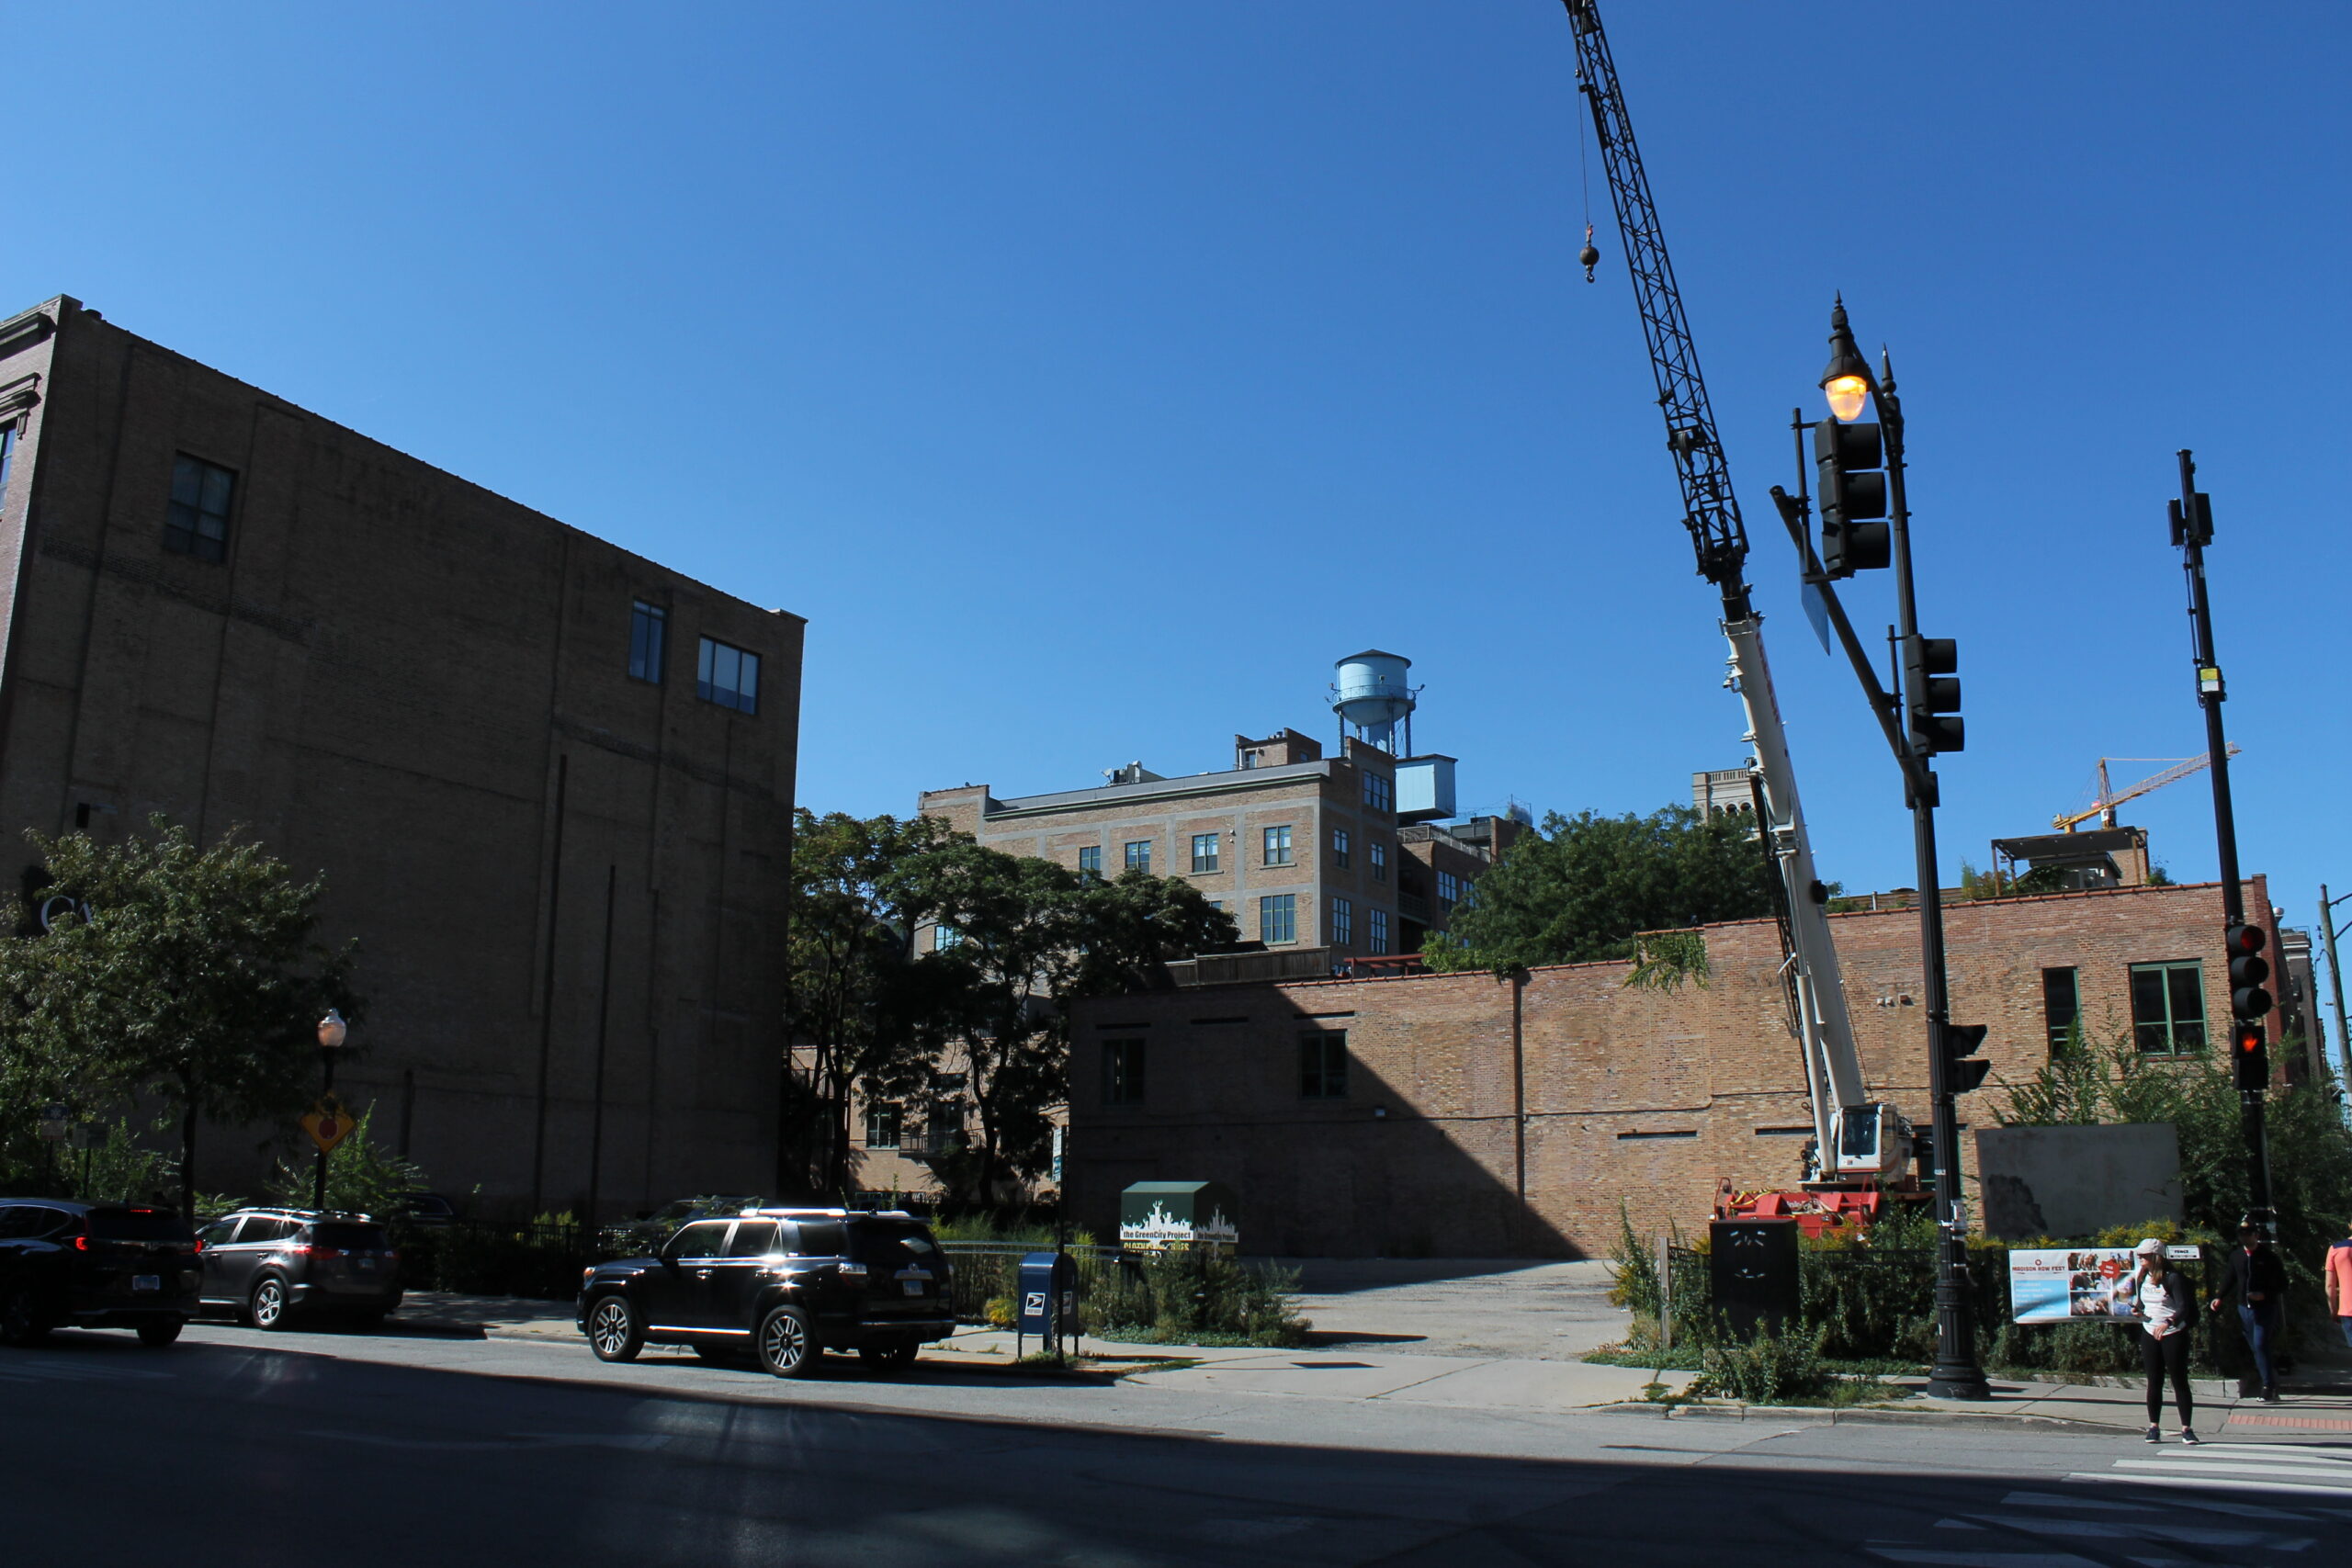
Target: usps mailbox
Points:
(1049, 1298)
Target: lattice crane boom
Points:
(2109, 799)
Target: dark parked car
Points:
(270, 1264)
(784, 1285)
(428, 1209)
(69, 1265)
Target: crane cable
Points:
(1590, 254)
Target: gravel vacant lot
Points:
(1454, 1306)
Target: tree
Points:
(1023, 939)
(189, 974)
(1582, 887)
(848, 994)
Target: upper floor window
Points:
(1139, 855)
(1376, 931)
(1340, 848)
(1123, 1072)
(1205, 851)
(648, 642)
(196, 521)
(728, 676)
(944, 937)
(1449, 887)
(1278, 846)
(1342, 923)
(1379, 852)
(881, 1126)
(1278, 919)
(1379, 791)
(1089, 862)
(2169, 1007)
(8, 445)
(1323, 1064)
(2062, 1005)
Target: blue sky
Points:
(1093, 376)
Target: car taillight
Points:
(81, 1244)
(196, 1246)
(321, 1251)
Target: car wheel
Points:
(20, 1318)
(786, 1347)
(891, 1356)
(614, 1332)
(269, 1308)
(161, 1333)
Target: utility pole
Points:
(2192, 528)
(2329, 931)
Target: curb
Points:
(1815, 1416)
(950, 1362)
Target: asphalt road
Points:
(237, 1448)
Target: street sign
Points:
(328, 1122)
(56, 1120)
(1057, 1156)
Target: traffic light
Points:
(1963, 1069)
(2249, 1057)
(1847, 458)
(2248, 970)
(1931, 694)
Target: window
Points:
(1139, 855)
(881, 1126)
(1342, 923)
(1379, 791)
(1089, 862)
(753, 1238)
(728, 676)
(648, 641)
(1449, 887)
(2169, 1007)
(1323, 1065)
(7, 444)
(1204, 849)
(1379, 852)
(1278, 846)
(704, 1238)
(944, 1126)
(1123, 1072)
(197, 521)
(1278, 919)
(216, 1233)
(1340, 848)
(944, 936)
(2061, 1004)
(1377, 933)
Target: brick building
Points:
(549, 781)
(1468, 1116)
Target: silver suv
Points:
(269, 1265)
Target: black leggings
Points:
(2169, 1354)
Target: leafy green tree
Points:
(1025, 938)
(192, 977)
(850, 999)
(1582, 887)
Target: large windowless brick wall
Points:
(513, 748)
(1477, 1116)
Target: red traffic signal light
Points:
(2248, 970)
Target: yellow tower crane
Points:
(2110, 797)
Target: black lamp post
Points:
(333, 1032)
(1921, 720)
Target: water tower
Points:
(1372, 698)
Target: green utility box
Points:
(1155, 1214)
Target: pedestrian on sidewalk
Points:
(2337, 1272)
(2258, 1282)
(2167, 1308)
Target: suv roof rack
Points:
(780, 1213)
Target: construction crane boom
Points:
(2109, 798)
(1854, 1137)
(1710, 510)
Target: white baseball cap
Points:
(2149, 1248)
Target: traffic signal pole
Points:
(2192, 526)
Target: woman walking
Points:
(2165, 1308)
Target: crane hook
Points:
(1589, 255)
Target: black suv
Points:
(785, 1285)
(269, 1264)
(65, 1264)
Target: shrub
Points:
(1768, 1370)
(1189, 1295)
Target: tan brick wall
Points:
(1637, 1097)
(384, 681)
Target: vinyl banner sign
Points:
(2064, 1287)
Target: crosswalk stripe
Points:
(2212, 1482)
(2294, 1470)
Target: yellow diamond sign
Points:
(328, 1122)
